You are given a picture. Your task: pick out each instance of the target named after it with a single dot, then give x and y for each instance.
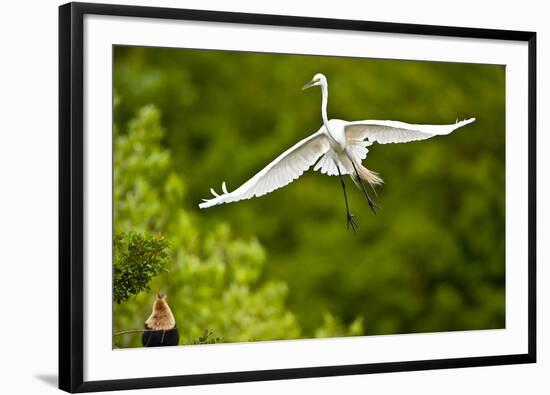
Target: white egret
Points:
(338, 147)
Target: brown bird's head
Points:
(161, 318)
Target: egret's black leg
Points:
(350, 216)
(373, 206)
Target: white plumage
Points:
(287, 167)
(337, 148)
(386, 132)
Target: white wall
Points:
(28, 209)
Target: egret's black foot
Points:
(351, 221)
(373, 206)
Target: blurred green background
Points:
(283, 266)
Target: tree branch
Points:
(132, 331)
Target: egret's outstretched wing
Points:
(287, 167)
(385, 132)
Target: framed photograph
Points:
(221, 216)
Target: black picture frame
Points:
(71, 196)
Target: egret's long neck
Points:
(324, 93)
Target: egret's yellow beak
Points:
(310, 84)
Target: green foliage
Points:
(137, 259)
(213, 285)
(206, 338)
(332, 326)
(273, 267)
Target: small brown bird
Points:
(160, 327)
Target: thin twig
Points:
(132, 331)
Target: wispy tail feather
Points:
(369, 176)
